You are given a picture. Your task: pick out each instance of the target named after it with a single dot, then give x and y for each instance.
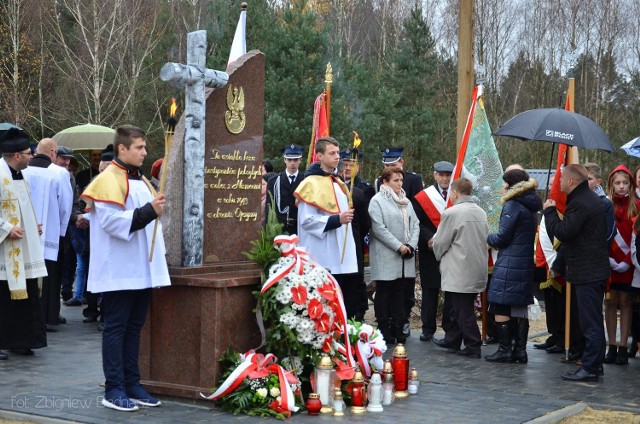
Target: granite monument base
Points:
(191, 324)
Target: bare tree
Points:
(100, 47)
(20, 61)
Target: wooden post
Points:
(572, 157)
(465, 66)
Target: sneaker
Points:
(118, 400)
(140, 396)
(72, 302)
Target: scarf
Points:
(401, 202)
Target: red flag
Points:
(320, 127)
(563, 160)
(457, 171)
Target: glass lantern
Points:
(400, 364)
(325, 376)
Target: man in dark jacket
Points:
(360, 227)
(280, 189)
(583, 233)
(432, 202)
(350, 166)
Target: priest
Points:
(22, 327)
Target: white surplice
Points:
(119, 258)
(52, 198)
(326, 247)
(32, 265)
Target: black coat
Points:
(429, 266)
(289, 219)
(511, 282)
(360, 224)
(584, 235)
(367, 189)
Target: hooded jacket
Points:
(620, 250)
(511, 282)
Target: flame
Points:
(356, 140)
(173, 108)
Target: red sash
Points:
(425, 201)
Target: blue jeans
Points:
(82, 269)
(124, 314)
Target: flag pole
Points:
(572, 154)
(354, 172)
(328, 80)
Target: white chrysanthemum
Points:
(304, 324)
(262, 392)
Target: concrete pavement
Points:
(61, 383)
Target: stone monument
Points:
(209, 306)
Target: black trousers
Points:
(389, 300)
(429, 310)
(409, 297)
(353, 292)
(555, 305)
(67, 257)
(555, 310)
(463, 325)
(50, 301)
(589, 298)
(21, 323)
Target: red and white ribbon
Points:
(367, 350)
(255, 365)
(288, 245)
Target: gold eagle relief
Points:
(234, 117)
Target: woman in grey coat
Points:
(394, 237)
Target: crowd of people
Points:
(62, 231)
(588, 240)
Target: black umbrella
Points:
(557, 125)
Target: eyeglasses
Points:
(26, 153)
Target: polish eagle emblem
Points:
(234, 117)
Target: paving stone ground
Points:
(61, 383)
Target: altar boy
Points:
(123, 206)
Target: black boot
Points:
(503, 354)
(623, 356)
(385, 329)
(611, 355)
(521, 329)
(400, 328)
